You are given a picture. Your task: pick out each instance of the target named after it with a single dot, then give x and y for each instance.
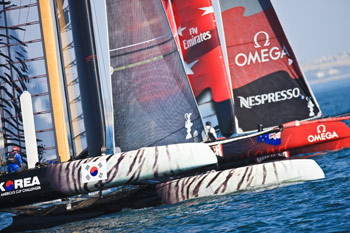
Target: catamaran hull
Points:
(98, 173)
(239, 179)
(210, 184)
(315, 136)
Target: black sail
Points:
(152, 100)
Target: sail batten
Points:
(144, 61)
(144, 42)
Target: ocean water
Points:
(316, 206)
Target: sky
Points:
(315, 28)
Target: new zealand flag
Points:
(272, 138)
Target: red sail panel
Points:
(268, 86)
(203, 57)
(260, 49)
(200, 42)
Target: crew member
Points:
(14, 160)
(209, 134)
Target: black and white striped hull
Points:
(130, 167)
(239, 179)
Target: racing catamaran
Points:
(161, 139)
(276, 114)
(153, 120)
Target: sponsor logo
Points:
(284, 154)
(322, 135)
(273, 97)
(17, 186)
(94, 171)
(218, 150)
(196, 38)
(262, 55)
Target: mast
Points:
(51, 56)
(88, 75)
(69, 81)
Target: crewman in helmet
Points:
(14, 160)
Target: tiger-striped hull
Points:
(132, 167)
(98, 173)
(239, 179)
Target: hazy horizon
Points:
(315, 28)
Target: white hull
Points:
(239, 179)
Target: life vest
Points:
(211, 135)
(11, 158)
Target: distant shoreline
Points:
(330, 79)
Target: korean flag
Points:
(94, 171)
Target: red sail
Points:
(268, 86)
(203, 56)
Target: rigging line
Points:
(144, 61)
(143, 42)
(139, 50)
